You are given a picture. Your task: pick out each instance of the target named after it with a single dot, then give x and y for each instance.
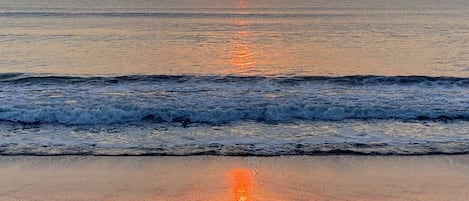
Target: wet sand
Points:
(76, 178)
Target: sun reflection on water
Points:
(242, 55)
(241, 3)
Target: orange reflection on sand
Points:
(241, 184)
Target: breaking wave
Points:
(217, 100)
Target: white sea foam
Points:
(219, 100)
(187, 115)
(382, 137)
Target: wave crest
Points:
(226, 99)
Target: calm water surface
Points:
(235, 37)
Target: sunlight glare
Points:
(241, 183)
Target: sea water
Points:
(234, 77)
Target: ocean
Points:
(234, 77)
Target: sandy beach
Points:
(89, 178)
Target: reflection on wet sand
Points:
(241, 184)
(203, 178)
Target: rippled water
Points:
(246, 77)
(243, 37)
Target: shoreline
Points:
(333, 177)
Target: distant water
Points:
(236, 37)
(246, 77)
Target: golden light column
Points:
(242, 57)
(241, 184)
